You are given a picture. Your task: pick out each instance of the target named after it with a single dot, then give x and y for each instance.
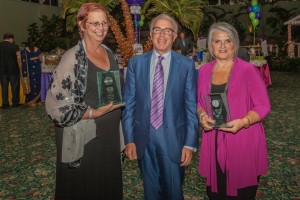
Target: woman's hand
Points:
(206, 122)
(235, 125)
(105, 109)
(34, 58)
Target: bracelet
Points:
(249, 122)
(91, 113)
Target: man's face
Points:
(162, 36)
(11, 40)
(182, 35)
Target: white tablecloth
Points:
(258, 63)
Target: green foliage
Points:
(281, 61)
(286, 64)
(33, 31)
(51, 29)
(281, 15)
(213, 14)
(51, 34)
(70, 9)
(189, 13)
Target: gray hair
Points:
(229, 30)
(165, 17)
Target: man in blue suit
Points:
(159, 120)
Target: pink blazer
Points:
(243, 156)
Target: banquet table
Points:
(45, 80)
(47, 71)
(264, 71)
(22, 95)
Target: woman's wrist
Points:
(91, 113)
(247, 122)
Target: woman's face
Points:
(222, 46)
(95, 27)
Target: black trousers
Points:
(247, 193)
(14, 81)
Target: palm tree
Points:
(213, 14)
(125, 43)
(189, 13)
(281, 15)
(70, 9)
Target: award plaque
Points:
(218, 109)
(109, 87)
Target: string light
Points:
(291, 48)
(148, 45)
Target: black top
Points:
(218, 88)
(8, 58)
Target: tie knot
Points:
(160, 58)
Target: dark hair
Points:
(30, 44)
(8, 36)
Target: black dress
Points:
(99, 175)
(247, 193)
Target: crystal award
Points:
(109, 87)
(218, 109)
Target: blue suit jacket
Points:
(180, 122)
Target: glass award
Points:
(217, 108)
(109, 87)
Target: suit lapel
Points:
(174, 65)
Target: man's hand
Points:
(186, 156)
(130, 151)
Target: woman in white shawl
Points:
(87, 137)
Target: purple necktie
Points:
(157, 101)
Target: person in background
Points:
(87, 137)
(31, 58)
(159, 120)
(244, 54)
(183, 45)
(10, 70)
(232, 158)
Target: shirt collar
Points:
(165, 55)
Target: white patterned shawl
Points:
(64, 102)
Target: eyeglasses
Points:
(104, 24)
(166, 31)
(219, 43)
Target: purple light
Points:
(134, 2)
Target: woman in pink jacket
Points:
(233, 155)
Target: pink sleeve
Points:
(258, 93)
